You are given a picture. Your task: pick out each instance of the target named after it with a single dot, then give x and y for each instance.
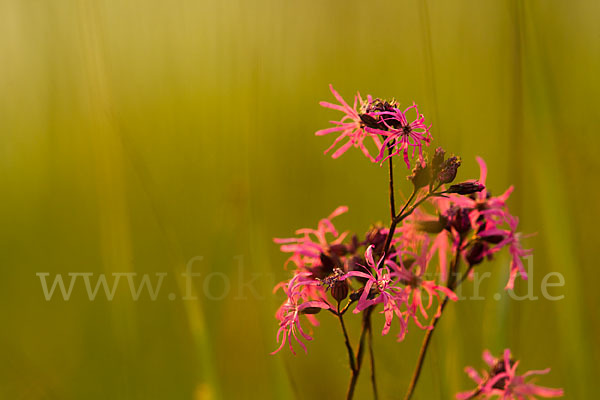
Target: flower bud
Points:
(311, 310)
(468, 187)
(448, 170)
(493, 239)
(420, 176)
(339, 290)
(438, 160)
(476, 253)
(369, 121)
(458, 218)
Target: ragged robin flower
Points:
(413, 275)
(351, 128)
(381, 288)
(511, 239)
(307, 249)
(502, 381)
(402, 134)
(290, 311)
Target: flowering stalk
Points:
(389, 266)
(367, 323)
(395, 219)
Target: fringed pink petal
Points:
(342, 149)
(489, 359)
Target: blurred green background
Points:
(137, 135)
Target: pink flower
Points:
(481, 204)
(486, 216)
(417, 286)
(386, 292)
(350, 127)
(502, 381)
(289, 312)
(512, 239)
(306, 250)
(402, 134)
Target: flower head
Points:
(380, 288)
(350, 127)
(485, 209)
(502, 380)
(307, 249)
(512, 239)
(402, 134)
(416, 285)
(289, 312)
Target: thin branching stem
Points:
(452, 285)
(406, 210)
(392, 199)
(360, 352)
(347, 340)
(372, 358)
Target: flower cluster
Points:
(489, 220)
(501, 380)
(470, 223)
(410, 269)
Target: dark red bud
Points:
(458, 218)
(494, 239)
(339, 290)
(468, 187)
(448, 170)
(311, 310)
(370, 121)
(476, 253)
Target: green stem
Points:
(391, 173)
(452, 285)
(394, 223)
(360, 352)
(347, 340)
(372, 358)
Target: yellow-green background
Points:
(136, 135)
